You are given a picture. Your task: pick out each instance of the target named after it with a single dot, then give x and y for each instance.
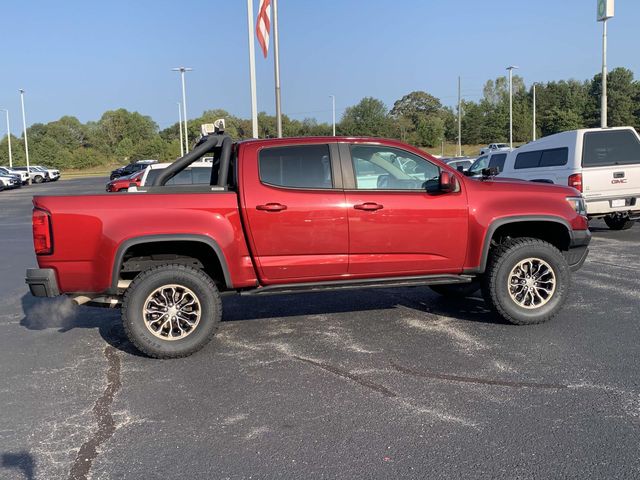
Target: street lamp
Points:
(510, 68)
(333, 109)
(180, 127)
(534, 111)
(24, 129)
(182, 70)
(8, 137)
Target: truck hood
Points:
(505, 184)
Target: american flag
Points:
(263, 26)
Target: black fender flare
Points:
(125, 245)
(499, 222)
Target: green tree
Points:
(368, 118)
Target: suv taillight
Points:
(42, 232)
(575, 181)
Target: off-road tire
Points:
(38, 179)
(495, 282)
(146, 282)
(615, 222)
(457, 290)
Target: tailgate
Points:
(612, 181)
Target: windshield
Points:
(479, 164)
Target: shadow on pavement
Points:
(417, 298)
(63, 314)
(22, 461)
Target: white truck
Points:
(603, 164)
(495, 147)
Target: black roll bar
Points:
(207, 144)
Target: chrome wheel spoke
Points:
(171, 312)
(531, 283)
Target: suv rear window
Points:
(615, 147)
(553, 157)
(304, 166)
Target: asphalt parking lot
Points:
(390, 383)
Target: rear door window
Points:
(304, 166)
(614, 147)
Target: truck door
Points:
(399, 223)
(294, 208)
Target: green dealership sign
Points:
(605, 9)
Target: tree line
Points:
(419, 118)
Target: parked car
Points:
(24, 176)
(9, 181)
(122, 184)
(489, 160)
(299, 215)
(461, 164)
(37, 174)
(494, 147)
(603, 164)
(54, 173)
(131, 168)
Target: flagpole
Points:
(252, 71)
(276, 64)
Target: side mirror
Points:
(447, 182)
(460, 168)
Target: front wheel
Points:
(618, 222)
(38, 179)
(171, 311)
(527, 281)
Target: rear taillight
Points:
(41, 221)
(575, 181)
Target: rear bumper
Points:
(42, 282)
(578, 249)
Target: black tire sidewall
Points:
(38, 179)
(618, 223)
(149, 281)
(500, 282)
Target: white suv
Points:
(604, 164)
(198, 173)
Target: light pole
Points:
(182, 70)
(9, 138)
(510, 68)
(24, 129)
(534, 112)
(180, 127)
(605, 12)
(333, 109)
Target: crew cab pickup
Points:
(305, 214)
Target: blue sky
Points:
(82, 57)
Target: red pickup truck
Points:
(306, 214)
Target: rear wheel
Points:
(618, 222)
(171, 311)
(527, 281)
(456, 291)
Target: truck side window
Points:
(553, 157)
(614, 147)
(385, 168)
(497, 161)
(304, 166)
